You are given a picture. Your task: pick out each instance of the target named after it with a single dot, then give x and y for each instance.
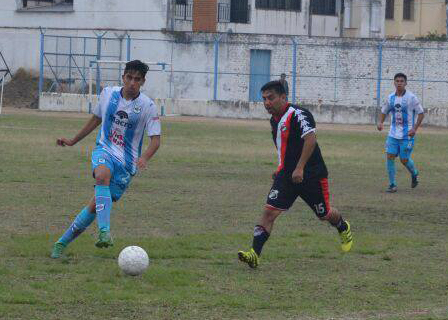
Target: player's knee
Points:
(102, 181)
(390, 156)
(271, 214)
(102, 177)
(404, 161)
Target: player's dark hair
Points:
(136, 65)
(401, 75)
(275, 85)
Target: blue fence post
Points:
(98, 57)
(294, 70)
(84, 85)
(128, 48)
(215, 81)
(70, 67)
(423, 77)
(41, 62)
(378, 82)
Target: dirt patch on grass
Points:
(22, 91)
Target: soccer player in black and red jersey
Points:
(301, 172)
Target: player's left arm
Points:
(153, 128)
(419, 109)
(153, 146)
(308, 148)
(307, 128)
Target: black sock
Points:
(340, 225)
(260, 237)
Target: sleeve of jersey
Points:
(417, 105)
(98, 111)
(306, 123)
(385, 107)
(153, 127)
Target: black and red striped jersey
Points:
(288, 133)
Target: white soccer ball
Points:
(133, 260)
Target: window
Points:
(324, 7)
(390, 5)
(183, 10)
(408, 9)
(36, 4)
(290, 5)
(239, 11)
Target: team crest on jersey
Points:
(273, 194)
(283, 128)
(137, 109)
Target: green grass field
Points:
(196, 206)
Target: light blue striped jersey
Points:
(123, 125)
(403, 111)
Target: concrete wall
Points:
(100, 14)
(239, 109)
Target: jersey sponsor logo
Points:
(273, 194)
(117, 137)
(398, 114)
(121, 119)
(137, 109)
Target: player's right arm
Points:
(89, 127)
(381, 119)
(382, 115)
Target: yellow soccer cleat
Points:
(249, 257)
(346, 238)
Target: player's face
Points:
(273, 102)
(132, 82)
(400, 83)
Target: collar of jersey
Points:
(283, 111)
(404, 92)
(121, 95)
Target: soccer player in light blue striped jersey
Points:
(124, 114)
(406, 117)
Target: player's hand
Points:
(141, 163)
(380, 126)
(64, 142)
(297, 175)
(412, 132)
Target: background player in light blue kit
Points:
(404, 108)
(124, 114)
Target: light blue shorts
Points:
(401, 147)
(120, 179)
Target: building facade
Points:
(410, 19)
(330, 18)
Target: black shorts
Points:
(313, 191)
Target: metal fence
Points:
(223, 66)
